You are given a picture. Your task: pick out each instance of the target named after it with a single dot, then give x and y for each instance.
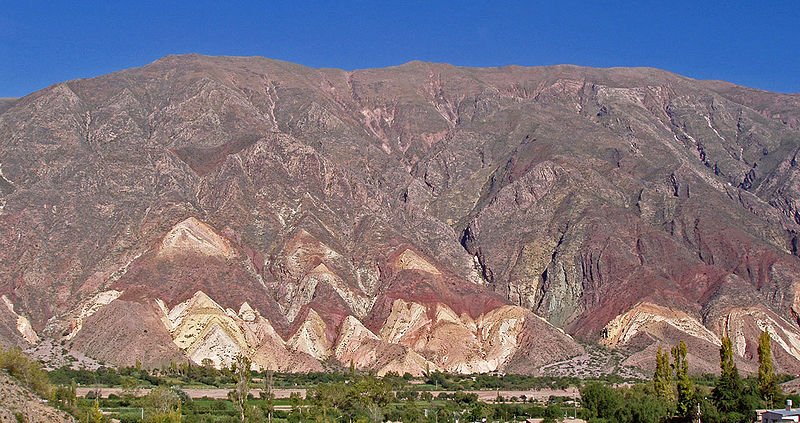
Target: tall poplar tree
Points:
(662, 378)
(241, 370)
(728, 391)
(683, 383)
(766, 372)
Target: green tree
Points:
(93, 413)
(642, 406)
(241, 371)
(685, 405)
(130, 388)
(162, 405)
(601, 401)
(766, 373)
(296, 403)
(267, 395)
(662, 378)
(65, 396)
(728, 390)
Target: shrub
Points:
(25, 370)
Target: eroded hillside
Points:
(413, 217)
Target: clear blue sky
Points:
(753, 43)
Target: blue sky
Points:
(747, 42)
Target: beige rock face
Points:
(743, 325)
(352, 335)
(269, 349)
(310, 261)
(192, 236)
(413, 338)
(356, 344)
(405, 322)
(365, 350)
(310, 337)
(408, 362)
(647, 326)
(87, 309)
(499, 331)
(644, 317)
(204, 330)
(665, 326)
(321, 274)
(408, 342)
(23, 324)
(455, 343)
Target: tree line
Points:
(672, 396)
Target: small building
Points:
(787, 414)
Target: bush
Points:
(25, 370)
(130, 418)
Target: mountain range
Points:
(405, 219)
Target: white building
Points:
(787, 414)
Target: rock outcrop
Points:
(412, 217)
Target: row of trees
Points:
(732, 399)
(671, 382)
(672, 396)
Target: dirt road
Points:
(216, 393)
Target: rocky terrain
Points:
(6, 103)
(18, 404)
(416, 217)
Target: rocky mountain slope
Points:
(417, 217)
(6, 103)
(20, 404)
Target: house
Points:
(787, 414)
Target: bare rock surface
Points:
(412, 217)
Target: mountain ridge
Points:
(575, 194)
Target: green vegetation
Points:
(189, 375)
(767, 386)
(684, 387)
(641, 404)
(662, 378)
(155, 396)
(28, 372)
(453, 382)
